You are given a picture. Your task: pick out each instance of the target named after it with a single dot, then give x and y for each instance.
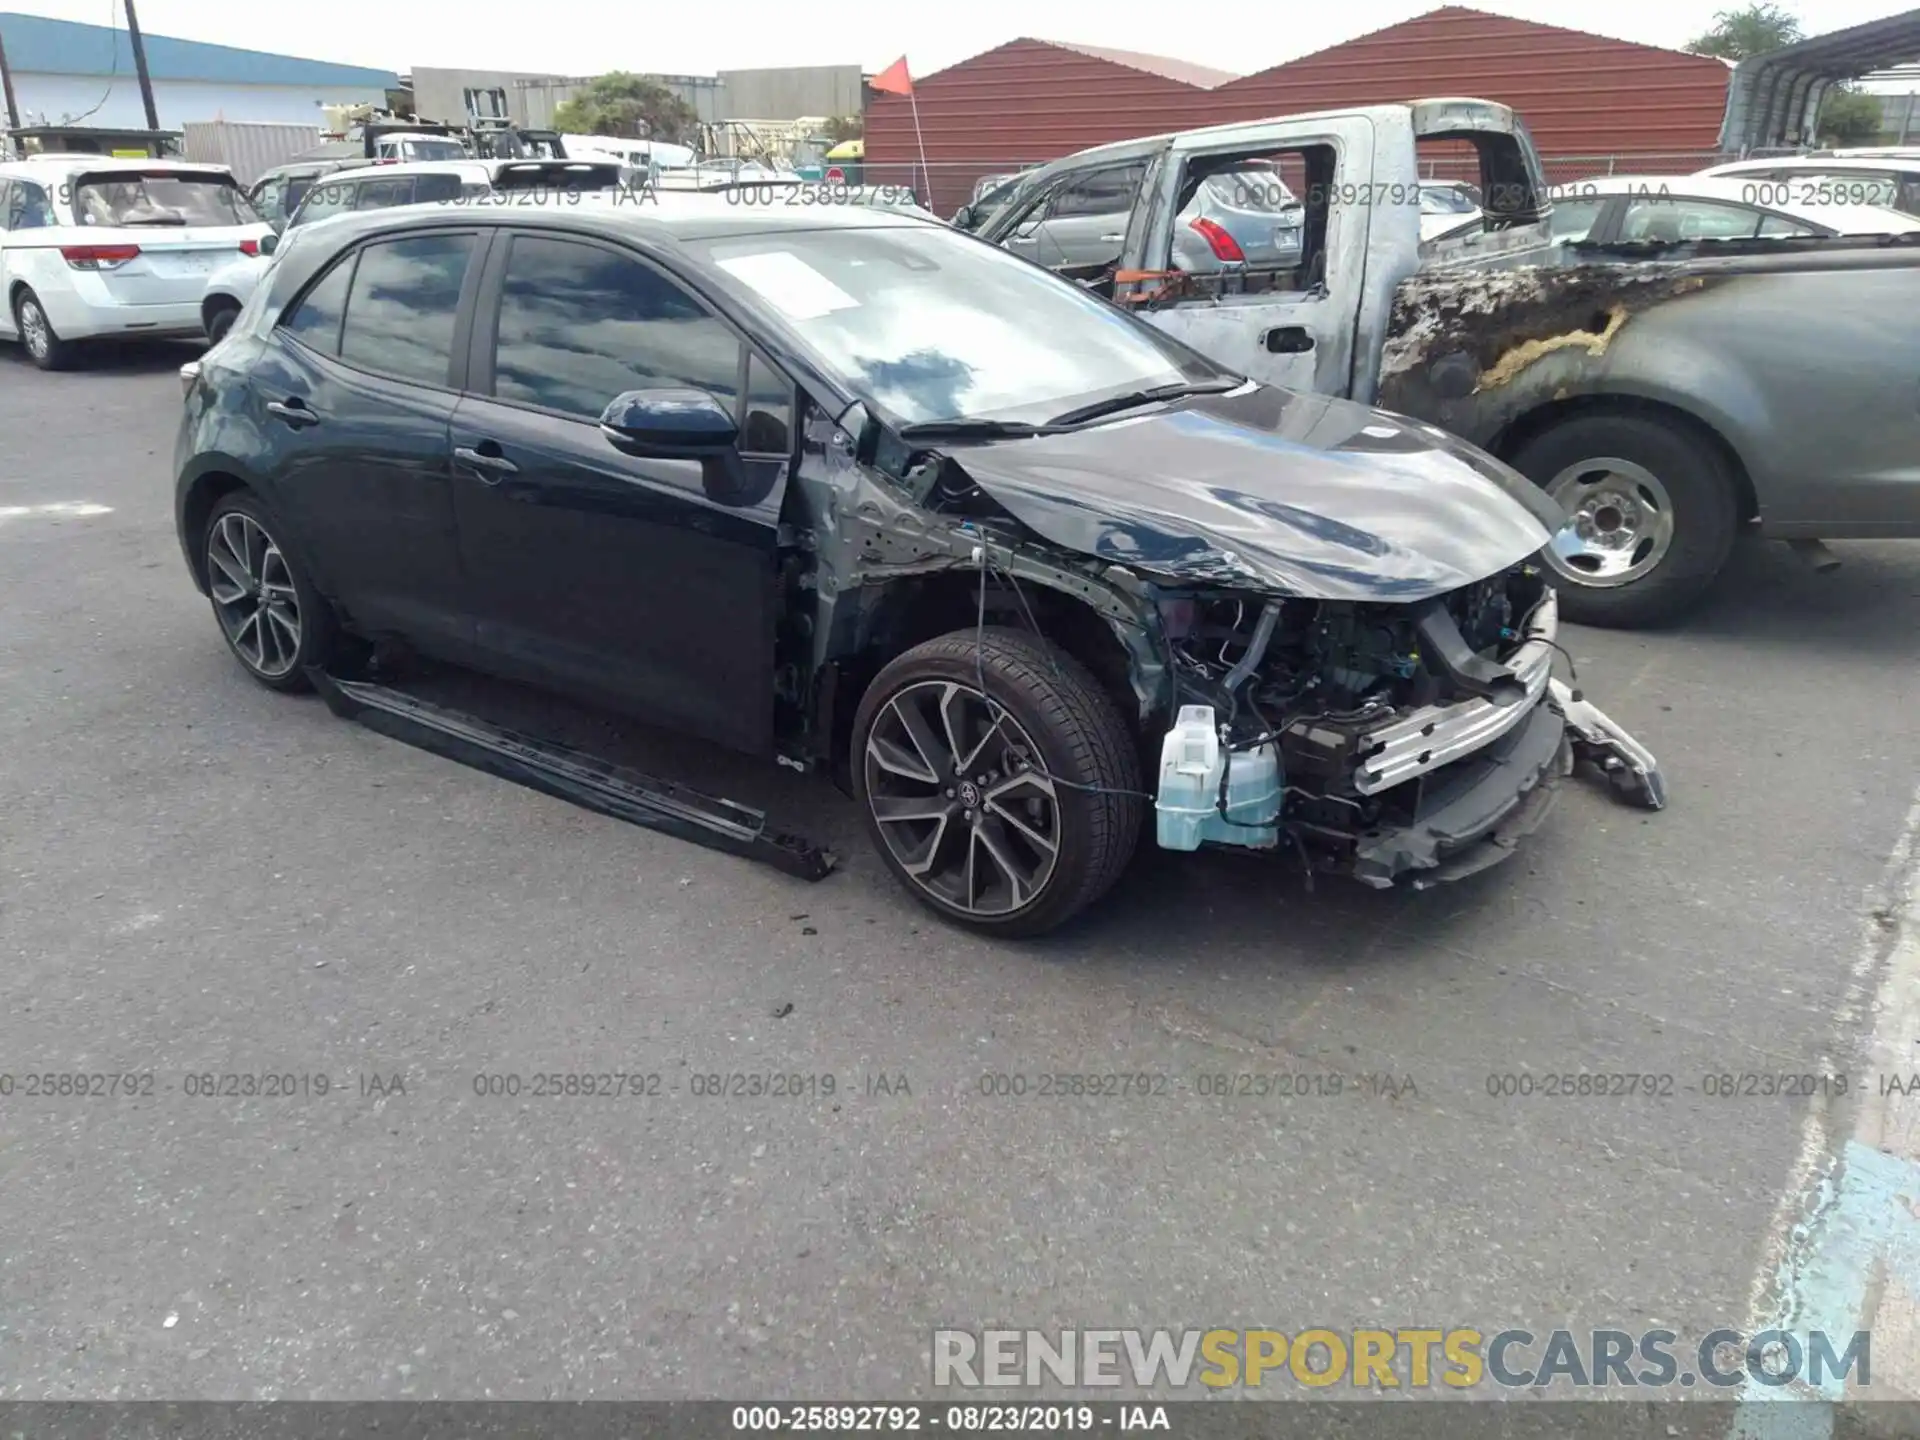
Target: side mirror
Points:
(963, 218)
(668, 423)
(270, 243)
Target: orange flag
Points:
(893, 80)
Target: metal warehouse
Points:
(1593, 103)
(65, 72)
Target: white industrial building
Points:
(65, 73)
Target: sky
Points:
(584, 37)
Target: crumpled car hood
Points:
(1276, 491)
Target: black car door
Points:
(620, 578)
(353, 394)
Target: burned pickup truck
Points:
(1666, 396)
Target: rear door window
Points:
(1675, 217)
(326, 198)
(402, 306)
(315, 320)
(160, 198)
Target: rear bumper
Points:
(77, 315)
(1474, 813)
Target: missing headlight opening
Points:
(1343, 722)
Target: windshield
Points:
(928, 324)
(161, 197)
(1445, 200)
(432, 150)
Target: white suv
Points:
(93, 248)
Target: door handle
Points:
(1113, 239)
(486, 461)
(293, 412)
(1288, 340)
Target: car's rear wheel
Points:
(273, 620)
(43, 344)
(1655, 514)
(220, 320)
(999, 782)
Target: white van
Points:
(93, 248)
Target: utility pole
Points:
(6, 83)
(140, 68)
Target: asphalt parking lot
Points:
(198, 877)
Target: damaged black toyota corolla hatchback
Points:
(860, 493)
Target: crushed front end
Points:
(1402, 742)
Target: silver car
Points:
(1246, 215)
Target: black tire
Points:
(317, 632)
(219, 321)
(37, 336)
(1076, 735)
(1700, 494)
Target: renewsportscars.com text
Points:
(1406, 1358)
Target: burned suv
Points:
(862, 494)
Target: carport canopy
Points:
(1774, 99)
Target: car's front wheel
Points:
(43, 344)
(273, 620)
(1000, 784)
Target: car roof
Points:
(43, 165)
(688, 217)
(480, 169)
(1831, 163)
(1847, 219)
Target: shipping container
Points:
(249, 148)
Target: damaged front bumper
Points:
(1476, 812)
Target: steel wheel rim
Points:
(1622, 524)
(253, 594)
(35, 330)
(958, 795)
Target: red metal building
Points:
(1592, 103)
(1023, 103)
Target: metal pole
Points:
(140, 69)
(6, 83)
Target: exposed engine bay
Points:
(1332, 723)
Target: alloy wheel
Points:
(34, 329)
(960, 799)
(1622, 523)
(253, 594)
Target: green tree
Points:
(1750, 30)
(846, 127)
(1850, 117)
(630, 106)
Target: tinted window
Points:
(1102, 192)
(296, 192)
(378, 194)
(579, 325)
(401, 311)
(161, 198)
(1674, 217)
(315, 321)
(442, 188)
(769, 424)
(27, 206)
(1574, 219)
(1780, 225)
